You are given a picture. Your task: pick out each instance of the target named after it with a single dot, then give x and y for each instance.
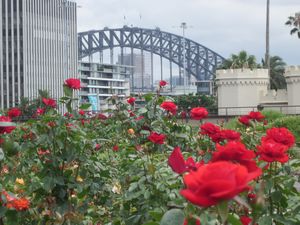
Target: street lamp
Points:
(184, 27)
(267, 56)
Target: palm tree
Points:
(240, 61)
(277, 68)
(294, 21)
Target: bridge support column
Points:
(161, 68)
(152, 77)
(132, 71)
(101, 56)
(171, 77)
(143, 69)
(111, 56)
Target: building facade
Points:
(38, 48)
(140, 80)
(101, 82)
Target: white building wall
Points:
(240, 88)
(292, 75)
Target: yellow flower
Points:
(79, 179)
(20, 181)
(116, 188)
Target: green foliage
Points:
(294, 22)
(277, 67)
(173, 217)
(272, 115)
(240, 61)
(92, 169)
(187, 102)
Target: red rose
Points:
(209, 129)
(162, 83)
(43, 152)
(97, 147)
(199, 113)
(231, 135)
(157, 138)
(14, 112)
(49, 102)
(179, 165)
(51, 124)
(244, 120)
(236, 152)
(40, 111)
(116, 148)
(271, 151)
(73, 83)
(81, 112)
(131, 114)
(169, 106)
(20, 204)
(215, 182)
(280, 135)
(183, 115)
(251, 196)
(213, 131)
(139, 118)
(67, 114)
(191, 221)
(256, 116)
(245, 220)
(131, 101)
(6, 130)
(102, 117)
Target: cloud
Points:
(226, 26)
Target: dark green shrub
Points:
(272, 115)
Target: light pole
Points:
(184, 27)
(267, 56)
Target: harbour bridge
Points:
(191, 58)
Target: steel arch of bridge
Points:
(201, 62)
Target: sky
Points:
(225, 26)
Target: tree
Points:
(240, 61)
(277, 68)
(294, 21)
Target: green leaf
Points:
(68, 91)
(156, 215)
(64, 99)
(173, 217)
(265, 220)
(223, 210)
(142, 110)
(233, 220)
(148, 97)
(1, 154)
(85, 106)
(151, 223)
(49, 183)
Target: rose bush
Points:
(143, 166)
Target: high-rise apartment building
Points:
(141, 75)
(38, 48)
(101, 82)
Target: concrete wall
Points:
(292, 75)
(240, 88)
(274, 97)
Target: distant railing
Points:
(238, 111)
